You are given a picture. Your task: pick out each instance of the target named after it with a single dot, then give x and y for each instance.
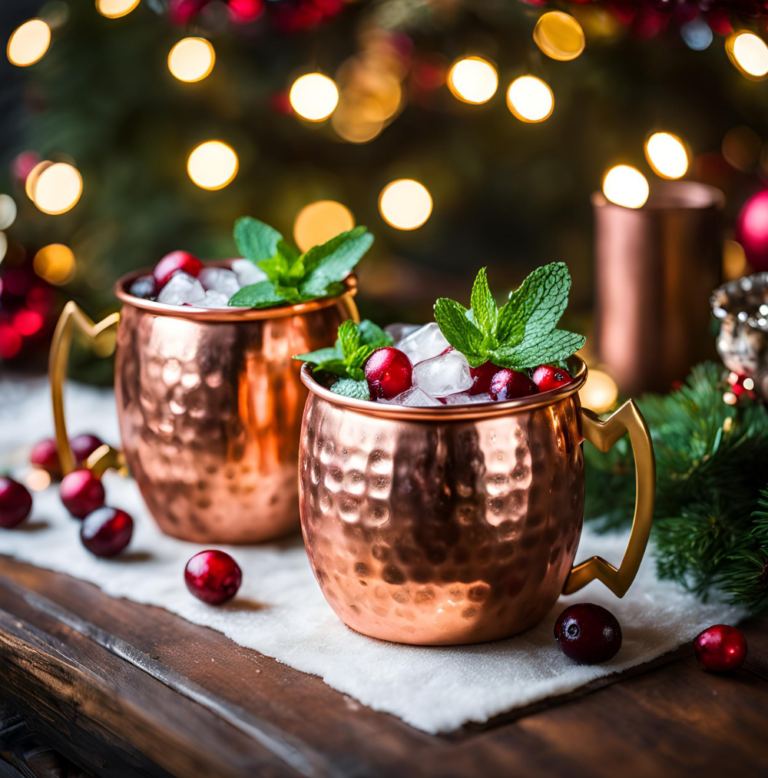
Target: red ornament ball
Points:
(83, 446)
(481, 377)
(213, 577)
(15, 503)
(547, 378)
(588, 633)
(752, 230)
(389, 372)
(46, 456)
(509, 384)
(720, 648)
(106, 531)
(173, 262)
(81, 492)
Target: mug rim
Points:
(468, 412)
(224, 314)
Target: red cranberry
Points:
(213, 577)
(15, 503)
(144, 286)
(720, 648)
(81, 492)
(482, 376)
(389, 372)
(83, 446)
(547, 377)
(45, 456)
(587, 633)
(171, 263)
(508, 384)
(106, 531)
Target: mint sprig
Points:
(293, 277)
(523, 333)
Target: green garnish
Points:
(293, 277)
(522, 333)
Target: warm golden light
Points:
(114, 9)
(55, 264)
(56, 188)
(405, 204)
(473, 80)
(627, 186)
(667, 155)
(600, 392)
(749, 54)
(530, 99)
(7, 211)
(735, 264)
(37, 480)
(28, 43)
(741, 148)
(192, 59)
(3, 246)
(559, 36)
(314, 97)
(319, 222)
(213, 165)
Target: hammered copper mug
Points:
(209, 405)
(458, 524)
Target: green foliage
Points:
(710, 523)
(351, 388)
(521, 334)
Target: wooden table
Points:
(113, 688)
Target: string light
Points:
(667, 155)
(530, 99)
(314, 97)
(213, 165)
(405, 204)
(559, 36)
(319, 222)
(627, 186)
(7, 211)
(28, 43)
(55, 264)
(114, 9)
(600, 392)
(191, 59)
(749, 54)
(54, 187)
(473, 80)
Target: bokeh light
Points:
(319, 222)
(667, 155)
(213, 165)
(114, 9)
(191, 59)
(55, 264)
(28, 43)
(559, 36)
(314, 97)
(627, 186)
(10, 342)
(697, 34)
(600, 392)
(530, 99)
(3, 250)
(37, 480)
(405, 204)
(473, 80)
(735, 264)
(54, 187)
(741, 148)
(7, 211)
(749, 54)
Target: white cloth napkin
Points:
(433, 689)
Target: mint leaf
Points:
(350, 388)
(320, 356)
(556, 346)
(484, 310)
(349, 337)
(255, 240)
(261, 295)
(334, 260)
(459, 331)
(372, 335)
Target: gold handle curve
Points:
(348, 303)
(72, 318)
(604, 434)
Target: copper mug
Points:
(459, 524)
(209, 404)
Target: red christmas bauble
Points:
(389, 373)
(15, 503)
(213, 577)
(720, 648)
(752, 230)
(81, 492)
(106, 531)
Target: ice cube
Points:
(425, 343)
(414, 397)
(399, 331)
(247, 273)
(214, 299)
(217, 279)
(465, 398)
(182, 288)
(443, 375)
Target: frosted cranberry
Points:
(213, 577)
(81, 492)
(389, 372)
(171, 263)
(587, 633)
(508, 384)
(720, 648)
(547, 377)
(83, 446)
(45, 456)
(481, 377)
(106, 531)
(144, 286)
(15, 503)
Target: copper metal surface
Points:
(655, 269)
(439, 526)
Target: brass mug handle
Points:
(72, 318)
(604, 435)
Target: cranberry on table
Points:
(720, 648)
(173, 262)
(15, 503)
(509, 384)
(389, 372)
(46, 456)
(144, 286)
(106, 531)
(83, 446)
(81, 492)
(587, 633)
(482, 377)
(547, 378)
(213, 577)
